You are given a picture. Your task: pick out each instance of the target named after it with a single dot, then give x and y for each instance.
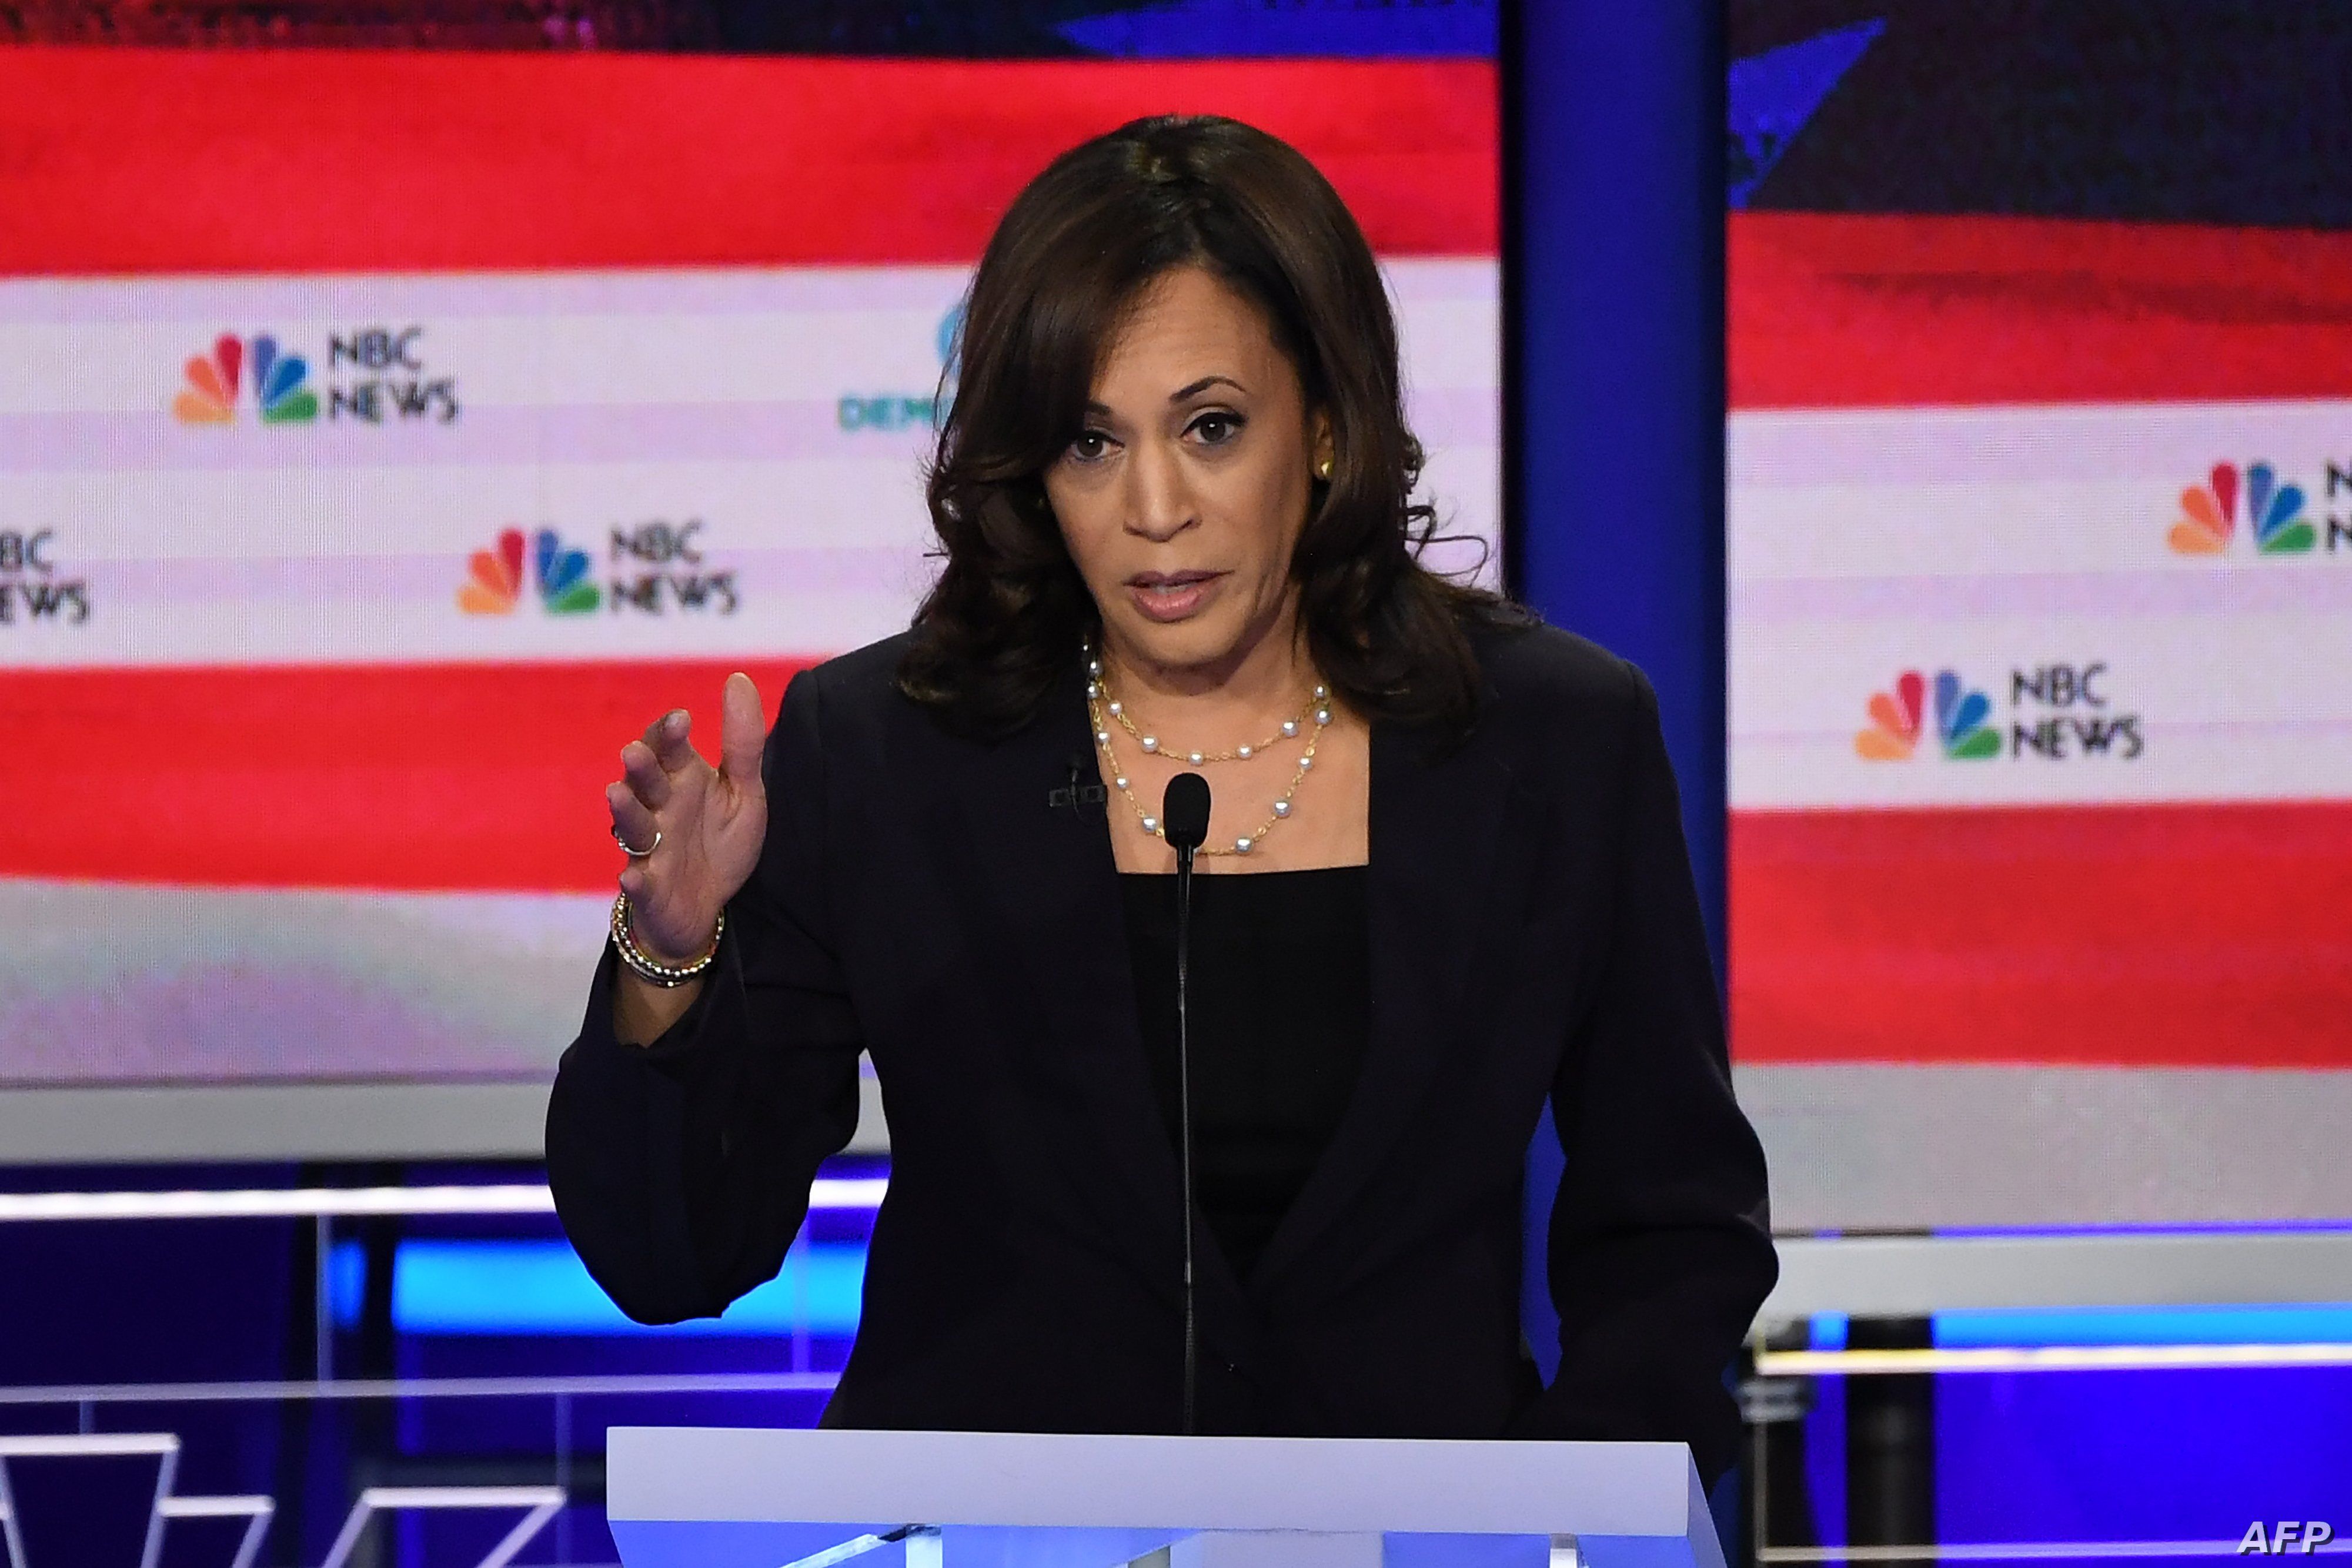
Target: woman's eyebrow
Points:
(1190, 390)
(1196, 388)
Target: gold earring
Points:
(1323, 469)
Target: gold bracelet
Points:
(652, 970)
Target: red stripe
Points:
(1844, 311)
(192, 161)
(480, 777)
(2142, 935)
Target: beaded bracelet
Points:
(650, 970)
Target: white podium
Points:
(749, 1498)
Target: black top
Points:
(1279, 1008)
(1534, 935)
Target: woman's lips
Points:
(1167, 596)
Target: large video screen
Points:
(2040, 608)
(390, 433)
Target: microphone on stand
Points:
(1184, 823)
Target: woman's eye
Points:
(1090, 446)
(1216, 429)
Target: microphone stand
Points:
(1184, 1119)
(1184, 822)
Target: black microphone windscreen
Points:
(1184, 811)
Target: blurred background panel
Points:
(399, 405)
(387, 432)
(2040, 565)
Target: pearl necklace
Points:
(1289, 731)
(1101, 707)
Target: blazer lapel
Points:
(1044, 906)
(1436, 832)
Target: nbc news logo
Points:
(2255, 504)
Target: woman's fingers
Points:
(656, 731)
(666, 738)
(632, 881)
(633, 820)
(653, 768)
(635, 827)
(743, 734)
(646, 777)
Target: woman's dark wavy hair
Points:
(1004, 621)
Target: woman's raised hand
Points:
(704, 824)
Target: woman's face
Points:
(1183, 496)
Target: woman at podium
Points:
(1443, 880)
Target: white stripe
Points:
(273, 1393)
(1989, 542)
(461, 1496)
(752, 335)
(855, 1546)
(215, 1507)
(1990, 528)
(2007, 1550)
(89, 1442)
(2250, 708)
(280, 566)
(509, 341)
(825, 1192)
(2020, 444)
(2052, 1358)
(276, 566)
(254, 545)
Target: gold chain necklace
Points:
(1102, 707)
(1316, 711)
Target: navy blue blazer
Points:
(1534, 933)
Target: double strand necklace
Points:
(1104, 709)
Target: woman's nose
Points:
(1158, 503)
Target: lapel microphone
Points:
(1077, 796)
(1184, 822)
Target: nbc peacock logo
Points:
(2273, 513)
(281, 394)
(494, 577)
(1899, 718)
